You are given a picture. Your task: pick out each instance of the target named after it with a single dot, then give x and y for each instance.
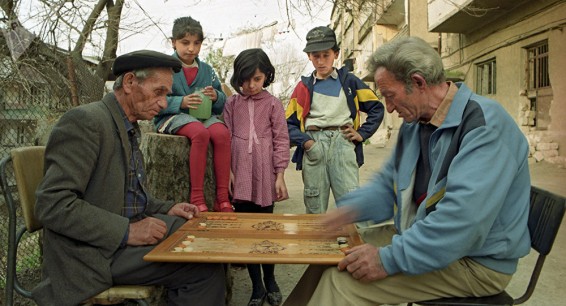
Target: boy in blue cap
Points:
(323, 118)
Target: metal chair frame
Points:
(112, 295)
(545, 216)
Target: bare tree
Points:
(309, 7)
(68, 30)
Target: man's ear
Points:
(419, 81)
(128, 82)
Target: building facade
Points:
(512, 51)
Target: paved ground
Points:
(550, 287)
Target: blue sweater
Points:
(205, 77)
(477, 201)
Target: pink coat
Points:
(260, 145)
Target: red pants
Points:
(200, 136)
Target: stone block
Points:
(538, 156)
(546, 146)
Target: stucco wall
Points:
(418, 23)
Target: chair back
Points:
(545, 216)
(28, 172)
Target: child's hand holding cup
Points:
(203, 111)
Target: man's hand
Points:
(351, 134)
(184, 210)
(147, 231)
(363, 263)
(334, 219)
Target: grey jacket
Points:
(80, 201)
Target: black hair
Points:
(186, 25)
(246, 64)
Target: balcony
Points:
(392, 12)
(465, 16)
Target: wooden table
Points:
(255, 238)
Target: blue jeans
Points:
(329, 164)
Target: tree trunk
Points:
(167, 168)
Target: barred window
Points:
(486, 77)
(537, 66)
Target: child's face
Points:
(187, 48)
(254, 85)
(323, 62)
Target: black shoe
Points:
(257, 301)
(274, 298)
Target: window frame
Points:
(537, 69)
(486, 77)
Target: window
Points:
(539, 90)
(486, 77)
(537, 66)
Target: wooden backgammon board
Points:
(256, 238)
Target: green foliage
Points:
(221, 64)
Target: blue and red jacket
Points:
(359, 98)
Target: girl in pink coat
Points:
(260, 153)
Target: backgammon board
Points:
(256, 238)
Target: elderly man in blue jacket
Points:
(456, 186)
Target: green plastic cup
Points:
(204, 109)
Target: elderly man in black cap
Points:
(99, 220)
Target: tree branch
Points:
(89, 25)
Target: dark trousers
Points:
(186, 283)
(254, 270)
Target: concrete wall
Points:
(506, 43)
(418, 22)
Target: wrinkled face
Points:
(254, 85)
(149, 97)
(187, 47)
(408, 105)
(323, 62)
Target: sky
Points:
(219, 18)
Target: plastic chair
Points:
(545, 216)
(27, 164)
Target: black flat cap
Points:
(320, 39)
(144, 59)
